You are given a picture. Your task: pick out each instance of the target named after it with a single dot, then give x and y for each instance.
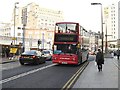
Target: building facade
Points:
(5, 29)
(119, 20)
(111, 25)
(39, 24)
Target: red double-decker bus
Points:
(70, 43)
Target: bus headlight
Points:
(73, 59)
(54, 58)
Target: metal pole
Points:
(38, 46)
(24, 37)
(101, 25)
(49, 45)
(43, 39)
(106, 40)
(14, 21)
(24, 22)
(102, 30)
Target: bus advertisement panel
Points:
(68, 47)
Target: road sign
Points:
(13, 50)
(24, 16)
(14, 38)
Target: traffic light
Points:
(39, 41)
(19, 27)
(100, 36)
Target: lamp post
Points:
(43, 41)
(24, 22)
(15, 19)
(49, 43)
(106, 44)
(39, 42)
(106, 40)
(101, 23)
(23, 37)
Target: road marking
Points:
(117, 66)
(74, 77)
(24, 74)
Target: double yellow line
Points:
(72, 80)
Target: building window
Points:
(45, 23)
(45, 28)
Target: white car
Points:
(47, 54)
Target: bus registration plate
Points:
(64, 62)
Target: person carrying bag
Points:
(99, 60)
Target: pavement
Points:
(7, 60)
(107, 79)
(108, 55)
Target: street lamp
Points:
(106, 44)
(43, 40)
(101, 23)
(15, 19)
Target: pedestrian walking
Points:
(7, 52)
(99, 60)
(118, 54)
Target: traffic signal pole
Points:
(23, 37)
(39, 42)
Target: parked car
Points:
(47, 54)
(32, 56)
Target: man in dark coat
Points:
(7, 51)
(99, 60)
(118, 54)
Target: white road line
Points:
(24, 74)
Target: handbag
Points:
(95, 63)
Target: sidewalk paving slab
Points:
(7, 60)
(108, 55)
(91, 78)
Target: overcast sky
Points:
(74, 10)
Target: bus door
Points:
(84, 54)
(79, 53)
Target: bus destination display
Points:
(65, 38)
